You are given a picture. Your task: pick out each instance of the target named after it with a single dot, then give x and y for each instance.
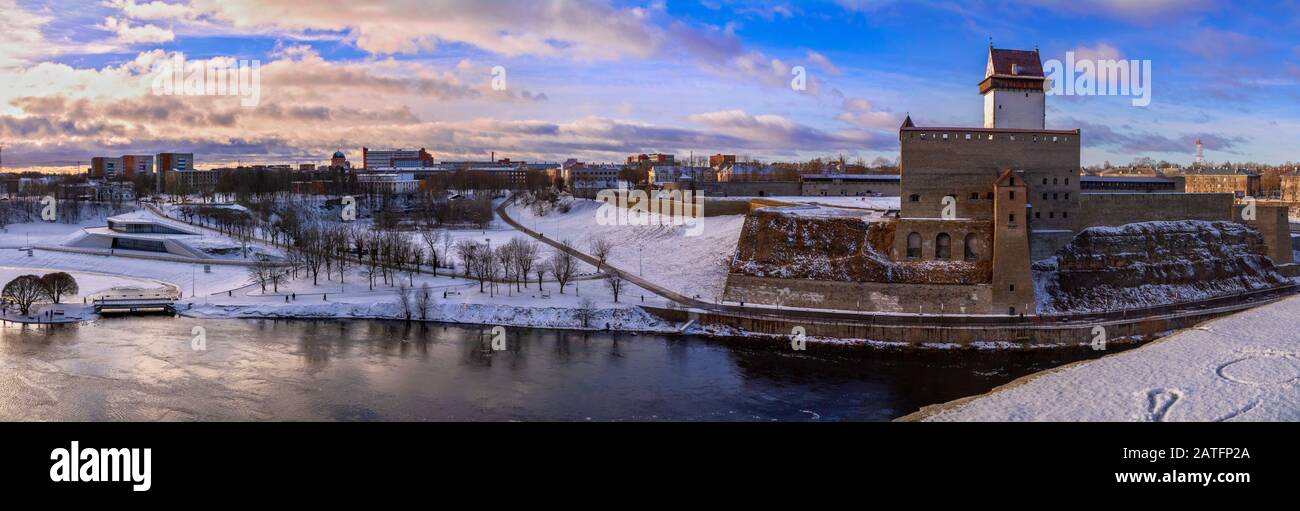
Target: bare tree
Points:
(562, 267)
(525, 258)
(24, 291)
(404, 299)
(58, 284)
(542, 268)
(432, 240)
(424, 300)
(258, 273)
(585, 312)
(615, 282)
(600, 249)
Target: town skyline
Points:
(671, 77)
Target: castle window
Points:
(989, 196)
(913, 245)
(975, 196)
(914, 198)
(1067, 181)
(969, 247)
(1051, 214)
(1011, 218)
(1011, 195)
(1038, 214)
(1056, 196)
(1055, 181)
(1067, 196)
(943, 246)
(1013, 287)
(1044, 195)
(1065, 214)
(1044, 180)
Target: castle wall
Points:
(1116, 209)
(1273, 224)
(957, 230)
(860, 296)
(964, 163)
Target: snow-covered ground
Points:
(663, 254)
(227, 291)
(1244, 367)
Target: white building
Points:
(141, 232)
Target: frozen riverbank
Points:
(1244, 367)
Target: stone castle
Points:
(978, 207)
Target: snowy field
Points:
(663, 254)
(228, 291)
(1244, 367)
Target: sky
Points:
(598, 80)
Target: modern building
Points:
(103, 167)
(137, 165)
(169, 162)
(184, 182)
(143, 233)
(393, 159)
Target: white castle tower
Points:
(1013, 90)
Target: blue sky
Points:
(600, 79)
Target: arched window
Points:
(969, 247)
(943, 246)
(913, 245)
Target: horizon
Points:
(601, 80)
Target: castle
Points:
(978, 207)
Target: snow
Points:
(663, 254)
(1244, 367)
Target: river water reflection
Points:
(144, 368)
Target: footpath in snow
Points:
(1244, 367)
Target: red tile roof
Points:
(1016, 63)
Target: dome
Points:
(338, 154)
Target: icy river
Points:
(147, 368)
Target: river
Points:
(146, 368)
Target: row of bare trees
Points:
(513, 263)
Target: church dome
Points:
(338, 154)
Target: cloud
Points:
(1220, 45)
(22, 40)
(581, 29)
(1142, 142)
(141, 34)
(823, 63)
(1137, 11)
(1098, 52)
(780, 132)
(861, 113)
